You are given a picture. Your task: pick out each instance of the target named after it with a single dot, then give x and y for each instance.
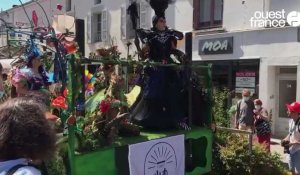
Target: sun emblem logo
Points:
(160, 160)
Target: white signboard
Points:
(245, 79)
(164, 156)
(245, 82)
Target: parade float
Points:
(98, 109)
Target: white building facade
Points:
(107, 22)
(34, 17)
(264, 59)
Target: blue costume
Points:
(34, 81)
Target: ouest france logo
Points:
(275, 19)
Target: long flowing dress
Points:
(162, 102)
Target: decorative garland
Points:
(116, 60)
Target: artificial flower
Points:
(104, 106)
(66, 91)
(71, 120)
(60, 102)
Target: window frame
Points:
(98, 31)
(97, 2)
(198, 25)
(93, 32)
(68, 5)
(127, 31)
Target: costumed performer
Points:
(162, 103)
(33, 76)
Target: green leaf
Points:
(93, 102)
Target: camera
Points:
(285, 145)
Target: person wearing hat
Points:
(262, 124)
(293, 138)
(162, 100)
(33, 76)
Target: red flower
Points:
(104, 106)
(59, 7)
(71, 120)
(66, 91)
(60, 102)
(70, 47)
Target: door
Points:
(286, 90)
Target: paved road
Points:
(275, 147)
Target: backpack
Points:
(15, 168)
(297, 124)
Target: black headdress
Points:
(159, 7)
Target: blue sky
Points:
(6, 4)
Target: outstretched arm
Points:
(143, 34)
(177, 34)
(142, 52)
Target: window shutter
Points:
(104, 27)
(123, 22)
(89, 28)
(196, 14)
(143, 15)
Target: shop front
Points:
(236, 75)
(231, 74)
(267, 62)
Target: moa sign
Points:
(216, 46)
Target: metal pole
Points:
(209, 92)
(126, 68)
(250, 142)
(8, 44)
(188, 52)
(26, 14)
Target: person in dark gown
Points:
(162, 103)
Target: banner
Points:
(164, 156)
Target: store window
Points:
(236, 75)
